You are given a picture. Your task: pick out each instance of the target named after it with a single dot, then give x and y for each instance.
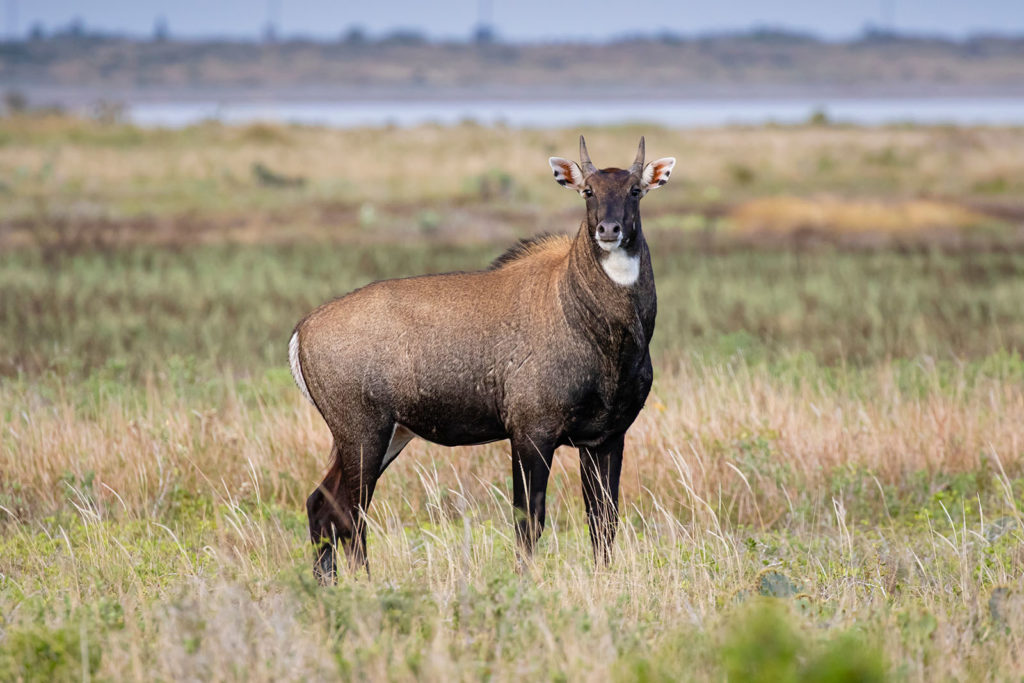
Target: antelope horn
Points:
(586, 164)
(638, 163)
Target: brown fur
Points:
(543, 348)
(559, 244)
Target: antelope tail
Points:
(296, 366)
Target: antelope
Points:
(547, 347)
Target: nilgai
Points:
(546, 347)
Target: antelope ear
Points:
(567, 173)
(657, 172)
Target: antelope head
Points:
(612, 194)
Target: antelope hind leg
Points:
(336, 508)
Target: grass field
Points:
(826, 484)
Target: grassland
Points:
(826, 483)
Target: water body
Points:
(689, 113)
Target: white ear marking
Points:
(567, 173)
(657, 173)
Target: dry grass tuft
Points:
(833, 214)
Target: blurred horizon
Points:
(316, 62)
(603, 20)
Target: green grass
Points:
(158, 457)
(148, 309)
(219, 587)
(826, 483)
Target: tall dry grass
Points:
(836, 433)
(827, 214)
(167, 538)
(754, 443)
(60, 166)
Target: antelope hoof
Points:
(324, 568)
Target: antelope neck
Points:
(591, 292)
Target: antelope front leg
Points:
(531, 465)
(600, 467)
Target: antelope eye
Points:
(587, 192)
(635, 192)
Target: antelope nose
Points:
(609, 231)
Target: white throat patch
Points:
(622, 268)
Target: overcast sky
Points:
(519, 20)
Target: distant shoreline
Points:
(81, 71)
(576, 112)
(79, 97)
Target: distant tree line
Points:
(485, 33)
